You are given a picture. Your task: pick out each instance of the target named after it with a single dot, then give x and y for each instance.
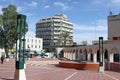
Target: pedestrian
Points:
(2, 59)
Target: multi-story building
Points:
(53, 30)
(114, 27)
(33, 44)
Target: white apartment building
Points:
(52, 28)
(33, 44)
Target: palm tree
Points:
(65, 37)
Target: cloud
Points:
(4, 0)
(30, 34)
(89, 28)
(116, 1)
(96, 2)
(28, 14)
(31, 29)
(90, 32)
(20, 9)
(33, 4)
(1, 9)
(62, 5)
(47, 6)
(89, 37)
(104, 3)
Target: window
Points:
(35, 41)
(28, 40)
(115, 38)
(35, 46)
(31, 46)
(28, 46)
(32, 40)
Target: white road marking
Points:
(114, 78)
(70, 76)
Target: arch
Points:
(73, 50)
(73, 54)
(91, 54)
(98, 56)
(106, 54)
(80, 51)
(85, 54)
(61, 54)
(80, 55)
(116, 56)
(112, 50)
(90, 50)
(76, 56)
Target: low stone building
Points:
(111, 49)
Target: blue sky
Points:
(89, 17)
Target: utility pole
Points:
(20, 41)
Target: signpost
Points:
(101, 68)
(20, 41)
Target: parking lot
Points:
(48, 69)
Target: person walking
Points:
(2, 59)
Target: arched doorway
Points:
(106, 54)
(91, 58)
(61, 54)
(76, 54)
(85, 55)
(80, 55)
(116, 56)
(98, 56)
(91, 54)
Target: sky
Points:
(89, 17)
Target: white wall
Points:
(33, 44)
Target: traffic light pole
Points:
(20, 50)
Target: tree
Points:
(84, 43)
(8, 29)
(65, 36)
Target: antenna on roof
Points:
(110, 13)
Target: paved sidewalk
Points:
(47, 69)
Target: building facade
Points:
(33, 44)
(52, 29)
(114, 27)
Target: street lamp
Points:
(19, 72)
(101, 68)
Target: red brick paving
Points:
(45, 69)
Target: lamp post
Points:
(101, 68)
(20, 41)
